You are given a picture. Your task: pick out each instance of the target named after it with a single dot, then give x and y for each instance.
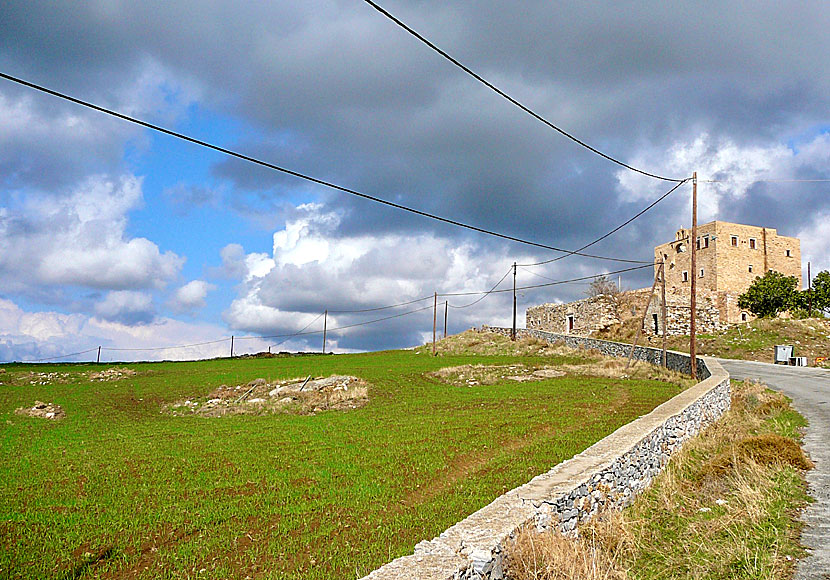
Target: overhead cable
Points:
(291, 172)
(763, 180)
(381, 307)
(616, 229)
(501, 93)
(555, 283)
(168, 347)
(59, 357)
(316, 318)
(485, 295)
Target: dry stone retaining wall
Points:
(609, 473)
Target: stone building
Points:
(729, 257)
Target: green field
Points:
(121, 489)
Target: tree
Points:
(820, 294)
(770, 294)
(602, 285)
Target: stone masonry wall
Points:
(730, 255)
(609, 473)
(588, 315)
(592, 314)
(709, 316)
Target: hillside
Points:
(754, 340)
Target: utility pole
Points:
(231, 346)
(434, 322)
(693, 289)
(446, 306)
(809, 292)
(513, 332)
(99, 355)
(642, 323)
(663, 309)
(325, 328)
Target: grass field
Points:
(120, 489)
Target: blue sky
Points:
(114, 235)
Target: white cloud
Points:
(81, 240)
(51, 335)
(737, 166)
(313, 269)
(815, 239)
(192, 295)
(127, 307)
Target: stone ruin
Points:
(259, 397)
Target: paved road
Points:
(809, 389)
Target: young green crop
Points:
(121, 488)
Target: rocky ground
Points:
(259, 397)
(42, 410)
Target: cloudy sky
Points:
(116, 236)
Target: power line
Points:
(381, 307)
(299, 331)
(501, 93)
(486, 294)
(291, 172)
(167, 347)
(615, 230)
(763, 180)
(370, 321)
(554, 283)
(93, 349)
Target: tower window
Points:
(685, 276)
(752, 244)
(789, 254)
(701, 272)
(734, 240)
(750, 268)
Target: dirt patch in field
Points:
(41, 410)
(112, 374)
(473, 375)
(259, 397)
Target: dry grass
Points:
(724, 508)
(594, 555)
(482, 342)
(591, 362)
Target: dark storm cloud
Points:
(369, 107)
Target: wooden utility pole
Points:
(513, 332)
(446, 306)
(663, 309)
(99, 355)
(809, 292)
(231, 346)
(434, 322)
(642, 323)
(693, 274)
(325, 328)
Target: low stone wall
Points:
(609, 473)
(676, 361)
